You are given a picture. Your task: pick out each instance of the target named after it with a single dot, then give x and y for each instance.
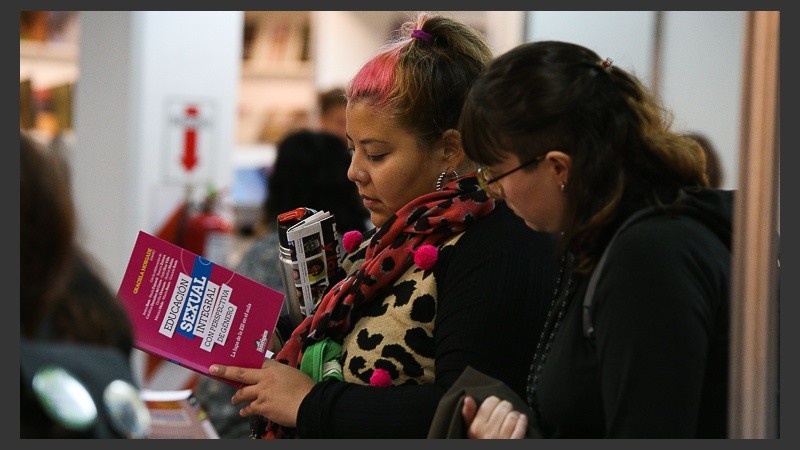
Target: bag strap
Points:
(321, 360)
(588, 298)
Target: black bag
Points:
(95, 368)
(448, 422)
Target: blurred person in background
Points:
(68, 315)
(332, 117)
(714, 171)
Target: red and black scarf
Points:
(429, 219)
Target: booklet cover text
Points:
(193, 312)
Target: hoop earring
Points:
(440, 180)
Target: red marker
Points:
(189, 157)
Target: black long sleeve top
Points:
(494, 290)
(658, 365)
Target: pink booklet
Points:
(193, 312)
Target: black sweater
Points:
(493, 294)
(657, 367)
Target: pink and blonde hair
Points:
(423, 82)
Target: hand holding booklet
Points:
(193, 312)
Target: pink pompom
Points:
(351, 240)
(380, 378)
(425, 257)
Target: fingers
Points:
(489, 414)
(520, 428)
(239, 397)
(246, 411)
(239, 374)
(469, 409)
(495, 419)
(480, 428)
(513, 424)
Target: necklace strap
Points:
(555, 315)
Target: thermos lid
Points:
(289, 218)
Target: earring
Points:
(563, 186)
(440, 180)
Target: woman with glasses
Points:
(636, 342)
(449, 277)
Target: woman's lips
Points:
(369, 202)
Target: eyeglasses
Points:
(488, 181)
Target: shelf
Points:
(50, 51)
(276, 45)
(277, 92)
(295, 70)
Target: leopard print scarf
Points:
(429, 219)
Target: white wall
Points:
(700, 78)
(344, 40)
(132, 63)
(104, 160)
(703, 65)
(624, 36)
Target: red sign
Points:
(189, 157)
(189, 141)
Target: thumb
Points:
(469, 409)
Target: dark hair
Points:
(713, 165)
(47, 228)
(66, 309)
(330, 99)
(310, 170)
(551, 95)
(62, 297)
(423, 82)
(89, 311)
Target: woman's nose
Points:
(355, 174)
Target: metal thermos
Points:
(293, 302)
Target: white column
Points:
(136, 69)
(134, 66)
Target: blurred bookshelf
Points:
(277, 44)
(277, 92)
(48, 54)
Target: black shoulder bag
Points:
(588, 298)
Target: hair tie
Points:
(419, 34)
(606, 64)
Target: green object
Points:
(321, 361)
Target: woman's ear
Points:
(561, 164)
(453, 151)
